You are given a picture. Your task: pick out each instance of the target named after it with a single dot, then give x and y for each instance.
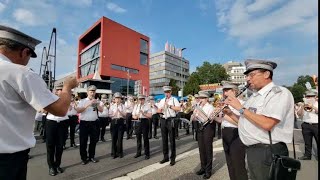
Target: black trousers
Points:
(129, 125)
(73, 121)
(142, 130)
(13, 166)
(43, 132)
(309, 131)
(205, 140)
(155, 121)
(88, 129)
(117, 131)
(235, 152)
(168, 131)
(150, 129)
(103, 123)
(56, 132)
(259, 159)
(217, 129)
(195, 129)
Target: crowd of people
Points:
(247, 125)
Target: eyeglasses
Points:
(251, 74)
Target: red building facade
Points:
(116, 52)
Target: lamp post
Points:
(181, 72)
(128, 82)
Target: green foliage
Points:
(299, 88)
(175, 87)
(205, 74)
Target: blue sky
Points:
(285, 31)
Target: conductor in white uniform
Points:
(22, 93)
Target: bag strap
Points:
(294, 149)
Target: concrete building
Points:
(235, 70)
(166, 65)
(119, 54)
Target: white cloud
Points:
(248, 21)
(2, 7)
(115, 8)
(28, 13)
(25, 16)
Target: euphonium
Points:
(189, 107)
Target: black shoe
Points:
(84, 162)
(73, 145)
(147, 157)
(164, 161)
(137, 155)
(94, 160)
(150, 137)
(59, 170)
(206, 176)
(121, 156)
(103, 140)
(304, 158)
(156, 137)
(52, 172)
(200, 172)
(172, 162)
(115, 156)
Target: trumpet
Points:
(217, 112)
(307, 107)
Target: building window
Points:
(120, 85)
(89, 60)
(143, 59)
(144, 52)
(122, 68)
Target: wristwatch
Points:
(241, 111)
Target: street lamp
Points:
(181, 72)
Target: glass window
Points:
(120, 85)
(144, 46)
(143, 59)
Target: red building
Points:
(114, 50)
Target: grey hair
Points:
(8, 44)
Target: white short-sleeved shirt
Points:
(105, 112)
(144, 107)
(168, 112)
(226, 123)
(113, 110)
(271, 101)
(154, 108)
(129, 106)
(72, 111)
(88, 114)
(22, 93)
(207, 109)
(58, 119)
(311, 117)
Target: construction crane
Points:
(48, 61)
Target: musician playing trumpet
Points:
(309, 114)
(205, 137)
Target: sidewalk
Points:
(188, 163)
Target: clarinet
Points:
(221, 109)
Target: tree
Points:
(175, 88)
(192, 85)
(205, 74)
(299, 88)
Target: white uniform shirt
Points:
(72, 111)
(144, 107)
(113, 111)
(226, 123)
(88, 114)
(129, 106)
(271, 101)
(22, 93)
(311, 117)
(56, 118)
(168, 112)
(207, 109)
(105, 112)
(154, 108)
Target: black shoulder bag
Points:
(283, 167)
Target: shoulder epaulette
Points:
(276, 89)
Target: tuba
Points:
(189, 106)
